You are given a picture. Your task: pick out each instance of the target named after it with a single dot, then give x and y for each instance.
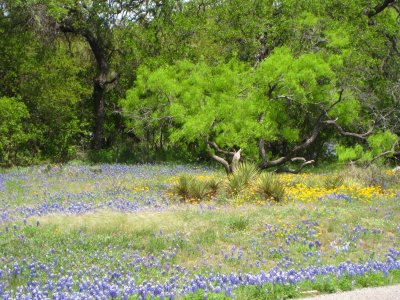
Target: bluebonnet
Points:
(109, 272)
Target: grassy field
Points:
(134, 232)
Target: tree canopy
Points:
(284, 81)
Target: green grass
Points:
(225, 238)
(212, 231)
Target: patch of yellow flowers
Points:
(304, 193)
(308, 188)
(140, 189)
(305, 188)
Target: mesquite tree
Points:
(335, 77)
(285, 100)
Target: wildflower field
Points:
(141, 232)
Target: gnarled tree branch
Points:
(361, 136)
(319, 125)
(229, 168)
(218, 149)
(223, 162)
(379, 8)
(295, 171)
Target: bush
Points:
(102, 156)
(270, 187)
(244, 174)
(13, 131)
(372, 176)
(377, 176)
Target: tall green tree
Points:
(93, 22)
(13, 131)
(285, 100)
(70, 61)
(49, 79)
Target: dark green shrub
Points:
(102, 156)
(13, 131)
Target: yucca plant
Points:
(269, 186)
(190, 187)
(243, 175)
(213, 184)
(198, 189)
(184, 185)
(333, 182)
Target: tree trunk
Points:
(100, 82)
(229, 168)
(99, 88)
(99, 113)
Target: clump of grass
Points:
(243, 175)
(238, 223)
(269, 186)
(333, 182)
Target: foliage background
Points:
(174, 74)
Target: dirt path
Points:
(380, 293)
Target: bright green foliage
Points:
(286, 90)
(230, 71)
(378, 143)
(349, 153)
(190, 97)
(278, 101)
(13, 130)
(310, 53)
(348, 112)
